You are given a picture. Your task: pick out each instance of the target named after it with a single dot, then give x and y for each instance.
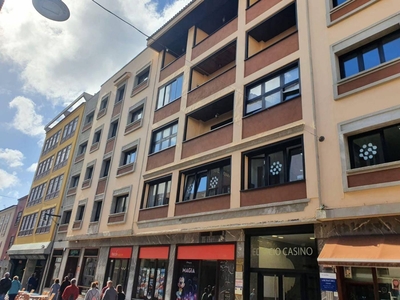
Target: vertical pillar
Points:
(170, 277)
(102, 265)
(129, 293)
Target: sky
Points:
(45, 65)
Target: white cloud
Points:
(62, 59)
(32, 168)
(13, 158)
(7, 180)
(27, 120)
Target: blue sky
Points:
(44, 65)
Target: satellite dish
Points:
(55, 10)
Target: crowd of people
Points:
(67, 290)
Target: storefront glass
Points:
(118, 266)
(88, 270)
(151, 279)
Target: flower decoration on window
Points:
(214, 182)
(275, 168)
(368, 151)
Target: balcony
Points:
(258, 7)
(273, 194)
(173, 66)
(272, 40)
(158, 212)
(101, 185)
(161, 158)
(167, 110)
(273, 117)
(203, 205)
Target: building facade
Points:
(6, 217)
(34, 241)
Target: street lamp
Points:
(55, 10)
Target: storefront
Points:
(118, 266)
(72, 263)
(152, 273)
(203, 269)
(88, 268)
(55, 266)
(281, 264)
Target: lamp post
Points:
(55, 10)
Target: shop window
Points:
(80, 213)
(89, 265)
(164, 138)
(370, 55)
(158, 193)
(96, 213)
(276, 88)
(210, 180)
(120, 93)
(118, 266)
(375, 147)
(151, 279)
(170, 92)
(276, 164)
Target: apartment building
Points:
(6, 216)
(14, 219)
(358, 114)
(34, 241)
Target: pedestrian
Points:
(32, 283)
(109, 283)
(121, 294)
(93, 293)
(55, 287)
(110, 293)
(63, 286)
(71, 292)
(5, 285)
(15, 287)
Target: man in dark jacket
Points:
(5, 285)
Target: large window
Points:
(375, 147)
(70, 128)
(96, 211)
(208, 181)
(158, 193)
(279, 87)
(170, 92)
(45, 220)
(27, 225)
(371, 55)
(44, 167)
(276, 164)
(51, 142)
(54, 187)
(164, 138)
(36, 195)
(113, 129)
(62, 155)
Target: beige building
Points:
(6, 223)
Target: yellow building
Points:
(34, 240)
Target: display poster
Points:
(160, 283)
(143, 282)
(187, 285)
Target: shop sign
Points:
(287, 251)
(120, 252)
(74, 252)
(328, 282)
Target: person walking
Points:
(120, 292)
(110, 293)
(71, 292)
(55, 287)
(15, 287)
(32, 283)
(103, 290)
(5, 285)
(93, 293)
(63, 286)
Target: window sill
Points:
(86, 183)
(133, 126)
(126, 169)
(346, 15)
(94, 147)
(364, 74)
(117, 218)
(67, 137)
(77, 225)
(87, 127)
(140, 87)
(153, 207)
(101, 113)
(371, 169)
(34, 202)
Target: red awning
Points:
(207, 252)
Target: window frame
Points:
(62, 155)
(133, 113)
(75, 181)
(105, 168)
(28, 224)
(70, 129)
(165, 201)
(44, 223)
(160, 104)
(82, 148)
(97, 136)
(104, 103)
(36, 194)
(66, 217)
(139, 76)
(119, 96)
(18, 218)
(113, 131)
(80, 213)
(54, 187)
(96, 214)
(89, 175)
(169, 138)
(117, 204)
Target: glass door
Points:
(277, 286)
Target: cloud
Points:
(32, 168)
(27, 120)
(60, 60)
(13, 158)
(7, 180)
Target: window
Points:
(338, 2)
(82, 148)
(44, 167)
(375, 147)
(103, 104)
(208, 181)
(27, 225)
(276, 164)
(36, 195)
(51, 142)
(135, 115)
(63, 155)
(371, 55)
(119, 204)
(89, 172)
(97, 136)
(120, 93)
(143, 76)
(105, 169)
(89, 118)
(66, 217)
(113, 129)
(70, 128)
(96, 211)
(45, 221)
(18, 219)
(74, 181)
(54, 187)
(129, 157)
(164, 138)
(159, 193)
(170, 92)
(80, 213)
(272, 90)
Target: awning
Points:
(31, 250)
(361, 251)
